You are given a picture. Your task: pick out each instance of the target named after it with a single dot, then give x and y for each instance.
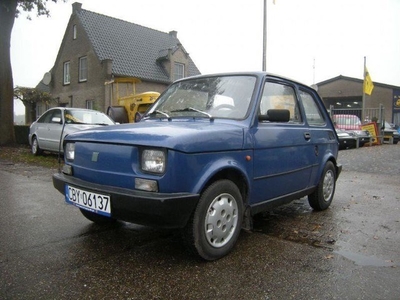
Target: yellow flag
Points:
(368, 85)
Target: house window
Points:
(89, 104)
(74, 32)
(83, 69)
(67, 78)
(179, 71)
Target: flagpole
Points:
(264, 62)
(363, 91)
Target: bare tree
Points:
(30, 97)
(9, 10)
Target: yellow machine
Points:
(131, 107)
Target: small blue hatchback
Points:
(212, 152)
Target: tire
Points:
(35, 149)
(215, 225)
(118, 114)
(322, 197)
(96, 218)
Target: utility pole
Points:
(264, 61)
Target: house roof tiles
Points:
(134, 49)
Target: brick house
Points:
(345, 93)
(97, 50)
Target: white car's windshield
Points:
(73, 116)
(216, 97)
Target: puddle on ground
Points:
(363, 260)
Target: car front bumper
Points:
(165, 210)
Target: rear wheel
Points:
(35, 147)
(215, 225)
(322, 197)
(96, 218)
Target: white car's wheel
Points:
(35, 147)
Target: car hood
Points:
(70, 128)
(192, 136)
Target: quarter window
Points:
(83, 69)
(67, 78)
(179, 71)
(313, 113)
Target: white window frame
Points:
(89, 104)
(179, 71)
(67, 73)
(83, 69)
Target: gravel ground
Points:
(383, 159)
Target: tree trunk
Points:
(7, 17)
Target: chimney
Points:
(76, 7)
(173, 34)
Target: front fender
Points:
(232, 163)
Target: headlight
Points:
(70, 151)
(153, 161)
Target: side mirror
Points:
(56, 120)
(276, 115)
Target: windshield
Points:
(73, 116)
(216, 97)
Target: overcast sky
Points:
(307, 40)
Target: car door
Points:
(321, 132)
(283, 153)
(54, 128)
(49, 129)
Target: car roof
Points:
(258, 74)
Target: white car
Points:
(48, 131)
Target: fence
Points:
(370, 114)
(352, 119)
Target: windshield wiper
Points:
(194, 109)
(157, 112)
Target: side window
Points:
(56, 114)
(313, 114)
(280, 96)
(46, 118)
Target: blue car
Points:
(209, 154)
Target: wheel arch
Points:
(330, 157)
(235, 174)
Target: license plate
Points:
(94, 202)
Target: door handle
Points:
(307, 136)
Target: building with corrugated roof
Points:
(346, 93)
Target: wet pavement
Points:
(48, 250)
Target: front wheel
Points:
(215, 225)
(35, 147)
(322, 197)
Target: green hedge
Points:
(21, 134)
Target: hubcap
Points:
(328, 185)
(34, 146)
(221, 220)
